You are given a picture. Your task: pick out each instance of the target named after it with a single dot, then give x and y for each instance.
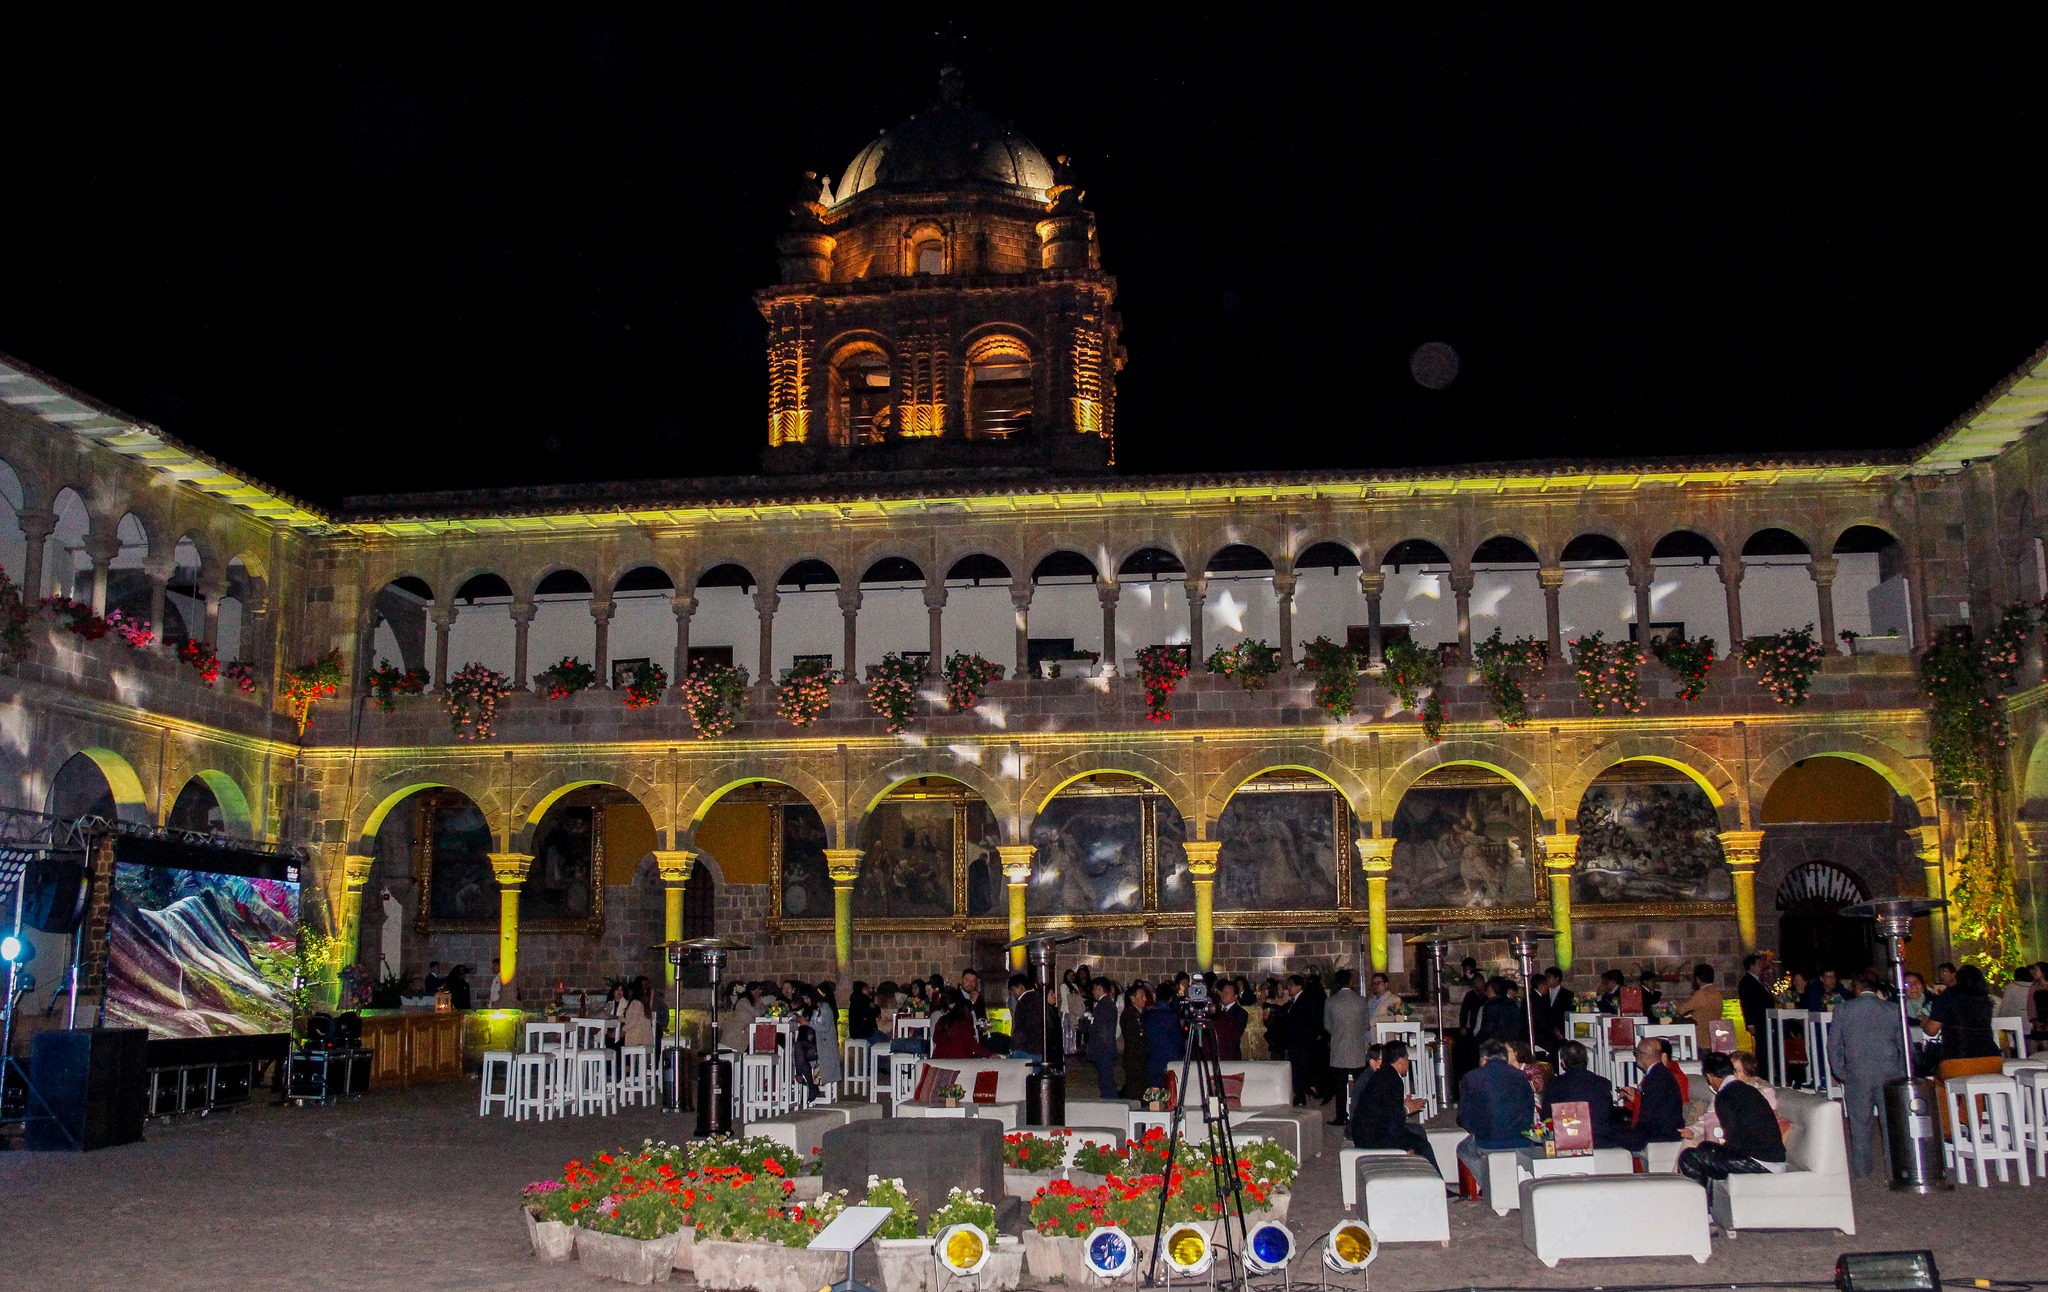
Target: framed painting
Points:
(911, 854)
(1280, 849)
(802, 890)
(564, 891)
(1463, 847)
(1649, 841)
(452, 846)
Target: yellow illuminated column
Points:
(1560, 854)
(1202, 869)
(1377, 857)
(1017, 873)
(675, 869)
(1929, 839)
(843, 865)
(1740, 848)
(510, 868)
(355, 877)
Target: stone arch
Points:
(1292, 758)
(635, 788)
(951, 559)
(972, 339)
(1442, 541)
(1039, 552)
(1526, 538)
(1797, 531)
(394, 791)
(1519, 772)
(1720, 785)
(1049, 781)
(64, 549)
(1127, 551)
(1305, 541)
(532, 583)
(227, 796)
(873, 788)
(696, 802)
(118, 775)
(705, 566)
(1900, 770)
(619, 571)
(1614, 534)
(858, 410)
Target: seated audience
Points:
(1381, 1107)
(1748, 1140)
(1494, 1104)
(1658, 1106)
(1574, 1083)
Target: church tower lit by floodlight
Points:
(944, 305)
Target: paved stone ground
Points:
(409, 1189)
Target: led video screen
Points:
(194, 953)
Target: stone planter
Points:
(552, 1240)
(907, 1266)
(1005, 1265)
(808, 1187)
(1086, 1179)
(686, 1249)
(1023, 1184)
(1067, 1258)
(731, 1267)
(638, 1261)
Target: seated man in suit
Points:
(1381, 1107)
(1750, 1141)
(1574, 1084)
(1496, 1105)
(1659, 1103)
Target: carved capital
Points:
(849, 598)
(1372, 582)
(1283, 585)
(1202, 857)
(1731, 570)
(1376, 856)
(1108, 591)
(1927, 842)
(511, 868)
(521, 612)
(1823, 569)
(1020, 597)
(1560, 851)
(1741, 848)
(1550, 578)
(685, 605)
(765, 601)
(1017, 858)
(935, 594)
(843, 864)
(602, 608)
(355, 872)
(675, 867)
(102, 546)
(36, 525)
(1197, 587)
(1461, 580)
(442, 614)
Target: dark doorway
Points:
(1813, 934)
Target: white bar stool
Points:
(533, 1086)
(903, 1068)
(594, 1092)
(857, 1066)
(757, 1087)
(2033, 1091)
(497, 1064)
(1984, 1127)
(1685, 1041)
(591, 1032)
(546, 1036)
(2014, 1029)
(636, 1075)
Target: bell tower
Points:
(943, 306)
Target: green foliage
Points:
(564, 678)
(1785, 662)
(1335, 670)
(1688, 658)
(1410, 672)
(713, 695)
(1608, 674)
(1500, 664)
(1250, 662)
(1024, 1151)
(964, 1207)
(902, 1221)
(1967, 734)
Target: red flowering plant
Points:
(76, 616)
(1409, 670)
(1335, 670)
(712, 695)
(724, 1185)
(967, 677)
(806, 693)
(1785, 662)
(1688, 658)
(1025, 1151)
(1160, 669)
(1501, 665)
(135, 634)
(2004, 646)
(201, 656)
(309, 683)
(388, 682)
(645, 684)
(1608, 674)
(1131, 1202)
(564, 678)
(1250, 662)
(242, 673)
(893, 690)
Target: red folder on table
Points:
(1631, 1000)
(1571, 1127)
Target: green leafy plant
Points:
(1501, 665)
(1335, 671)
(902, 1221)
(1249, 663)
(1967, 735)
(388, 681)
(1785, 662)
(967, 677)
(1024, 1151)
(1968, 738)
(15, 614)
(2005, 646)
(964, 1207)
(892, 690)
(1415, 674)
(713, 695)
(564, 678)
(1688, 658)
(645, 684)
(1608, 674)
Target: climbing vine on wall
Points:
(1501, 665)
(1415, 675)
(1967, 738)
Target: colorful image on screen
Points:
(198, 954)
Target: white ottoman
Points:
(1615, 1215)
(1445, 1142)
(1404, 1200)
(1113, 1114)
(1349, 1160)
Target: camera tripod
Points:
(1203, 1061)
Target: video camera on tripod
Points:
(1196, 1004)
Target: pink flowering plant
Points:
(2005, 645)
(806, 693)
(1784, 662)
(892, 691)
(967, 677)
(472, 701)
(1608, 674)
(712, 696)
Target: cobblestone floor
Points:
(409, 1189)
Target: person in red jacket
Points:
(953, 1036)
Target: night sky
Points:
(389, 254)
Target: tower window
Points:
(1000, 389)
(861, 395)
(931, 257)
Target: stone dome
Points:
(947, 145)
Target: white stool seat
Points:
(497, 1068)
(1404, 1200)
(855, 1066)
(1347, 1169)
(636, 1084)
(533, 1086)
(757, 1087)
(593, 1078)
(2032, 1084)
(1614, 1215)
(1984, 1127)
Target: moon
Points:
(1434, 365)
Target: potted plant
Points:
(1030, 1161)
(713, 695)
(952, 1094)
(911, 1264)
(967, 676)
(564, 678)
(905, 1256)
(545, 1204)
(1155, 1099)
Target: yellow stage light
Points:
(1350, 1246)
(962, 1249)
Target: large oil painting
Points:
(1091, 856)
(462, 889)
(1463, 846)
(806, 888)
(1649, 841)
(1279, 852)
(907, 871)
(562, 887)
(986, 886)
(1176, 885)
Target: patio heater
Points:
(1910, 1124)
(1045, 1094)
(714, 1075)
(1436, 944)
(1522, 941)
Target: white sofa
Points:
(1567, 1217)
(1812, 1192)
(1268, 1096)
(1010, 1075)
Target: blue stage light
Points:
(1109, 1252)
(10, 948)
(1270, 1248)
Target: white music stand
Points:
(849, 1232)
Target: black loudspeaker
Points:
(53, 892)
(94, 1084)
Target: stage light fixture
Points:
(10, 948)
(1109, 1252)
(962, 1249)
(1350, 1246)
(1887, 1272)
(1188, 1249)
(1270, 1248)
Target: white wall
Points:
(383, 644)
(726, 617)
(482, 634)
(1326, 604)
(1507, 598)
(1778, 595)
(1855, 581)
(1692, 594)
(1239, 607)
(892, 618)
(1420, 596)
(808, 623)
(643, 627)
(1149, 613)
(981, 622)
(1596, 598)
(1068, 607)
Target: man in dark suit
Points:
(1381, 1107)
(1660, 1104)
(1574, 1084)
(1750, 1137)
(1754, 995)
(1496, 1105)
(1229, 1024)
(1553, 1001)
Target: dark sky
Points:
(402, 253)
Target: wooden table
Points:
(413, 1045)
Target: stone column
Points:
(36, 527)
(1823, 569)
(849, 618)
(102, 548)
(1020, 601)
(765, 602)
(355, 875)
(1731, 584)
(1935, 873)
(522, 620)
(1641, 577)
(1017, 859)
(511, 869)
(1108, 591)
(211, 593)
(1560, 854)
(1198, 592)
(601, 610)
(1376, 857)
(1202, 868)
(1741, 850)
(1461, 589)
(685, 606)
(443, 616)
(1283, 601)
(843, 865)
(1552, 581)
(159, 591)
(675, 869)
(1373, 585)
(935, 615)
